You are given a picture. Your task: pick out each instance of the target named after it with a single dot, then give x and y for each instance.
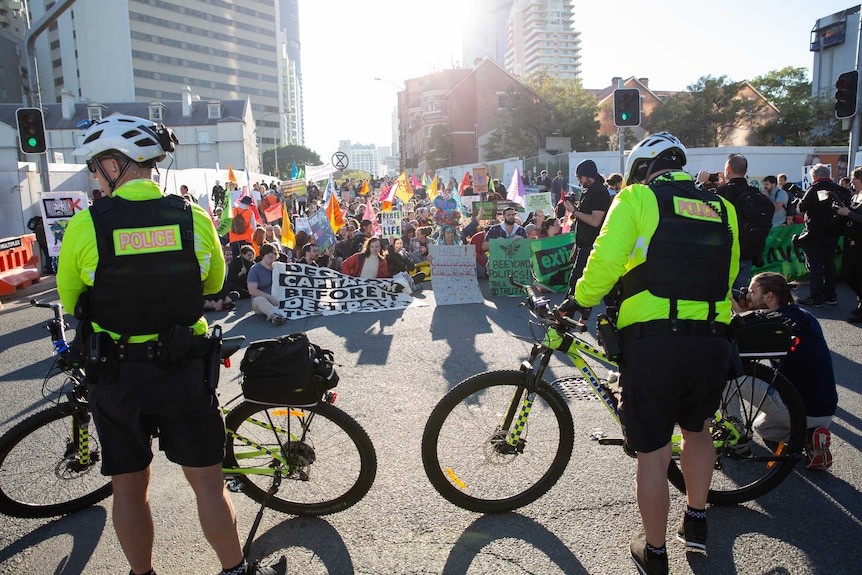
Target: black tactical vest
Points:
(148, 278)
(689, 253)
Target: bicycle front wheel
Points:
(41, 469)
(466, 453)
(326, 460)
(765, 408)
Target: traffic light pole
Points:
(35, 95)
(854, 127)
(622, 138)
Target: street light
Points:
(276, 139)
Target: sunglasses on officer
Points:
(93, 163)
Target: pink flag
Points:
(370, 215)
(516, 192)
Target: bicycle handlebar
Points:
(541, 307)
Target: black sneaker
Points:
(811, 302)
(692, 532)
(646, 564)
(277, 568)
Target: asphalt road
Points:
(394, 367)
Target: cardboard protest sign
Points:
(295, 187)
(390, 224)
(540, 201)
(453, 271)
(508, 257)
(321, 230)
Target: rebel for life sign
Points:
(508, 257)
(303, 291)
(390, 224)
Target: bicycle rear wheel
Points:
(40, 471)
(331, 460)
(761, 459)
(465, 453)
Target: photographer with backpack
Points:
(754, 212)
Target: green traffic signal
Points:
(31, 130)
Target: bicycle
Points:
(48, 461)
(499, 440)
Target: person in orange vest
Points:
(242, 226)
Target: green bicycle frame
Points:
(258, 450)
(573, 347)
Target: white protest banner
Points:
(540, 201)
(304, 291)
(57, 209)
(390, 224)
(453, 274)
(318, 173)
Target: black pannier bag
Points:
(287, 370)
(762, 333)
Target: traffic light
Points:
(627, 107)
(31, 131)
(845, 94)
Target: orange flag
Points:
(365, 189)
(387, 195)
(333, 212)
(288, 238)
(230, 176)
(432, 189)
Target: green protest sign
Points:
(551, 260)
(508, 257)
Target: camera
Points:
(739, 294)
(713, 177)
(572, 197)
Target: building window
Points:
(95, 114)
(214, 110)
(203, 141)
(156, 114)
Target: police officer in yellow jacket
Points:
(135, 267)
(670, 253)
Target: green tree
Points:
(804, 120)
(550, 105)
(286, 156)
(705, 115)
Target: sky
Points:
(345, 45)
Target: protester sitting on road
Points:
(369, 263)
(808, 367)
(477, 240)
(363, 233)
(550, 227)
(263, 302)
(399, 262)
(236, 283)
(508, 228)
(258, 238)
(419, 245)
(448, 236)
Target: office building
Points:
(150, 50)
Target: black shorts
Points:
(144, 400)
(668, 379)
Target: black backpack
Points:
(754, 212)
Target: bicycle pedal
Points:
(612, 441)
(598, 435)
(233, 485)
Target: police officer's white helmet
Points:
(138, 139)
(659, 145)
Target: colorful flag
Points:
(465, 183)
(370, 215)
(230, 176)
(403, 189)
(432, 189)
(301, 174)
(333, 212)
(387, 195)
(365, 189)
(330, 191)
(424, 179)
(288, 238)
(516, 189)
(491, 188)
(293, 171)
(414, 181)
